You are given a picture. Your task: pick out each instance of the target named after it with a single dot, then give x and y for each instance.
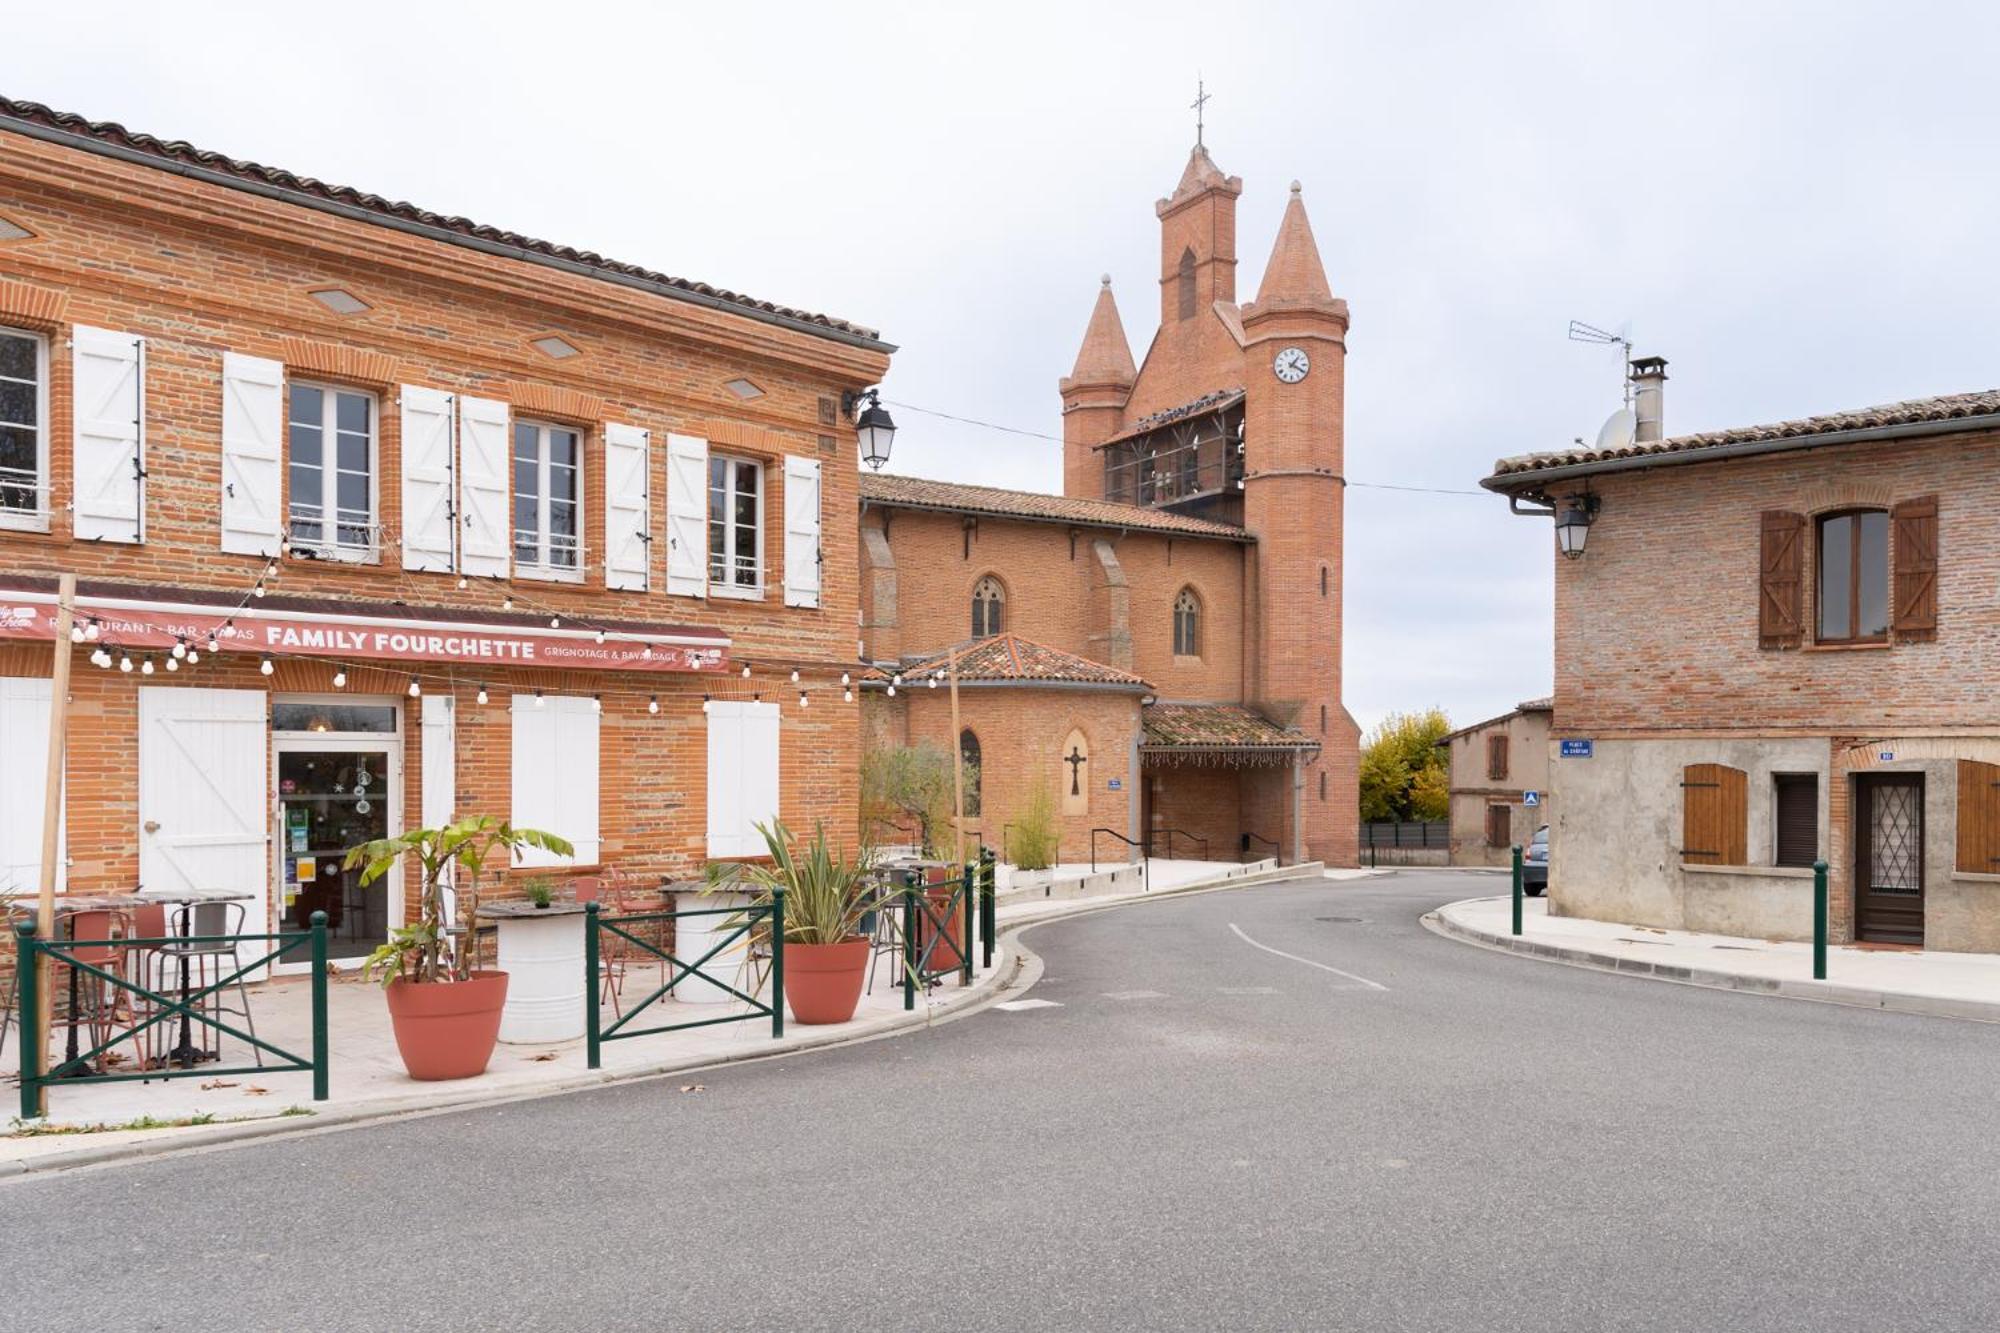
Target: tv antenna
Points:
(1580, 332)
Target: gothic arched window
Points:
(968, 756)
(1187, 624)
(989, 601)
(1187, 283)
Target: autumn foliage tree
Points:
(1404, 773)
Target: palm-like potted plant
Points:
(445, 1012)
(826, 896)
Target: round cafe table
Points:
(185, 1053)
(541, 951)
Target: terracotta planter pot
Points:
(447, 1029)
(823, 981)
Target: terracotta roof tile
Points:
(1009, 658)
(116, 136)
(1689, 448)
(1218, 726)
(957, 497)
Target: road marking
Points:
(1016, 1006)
(1246, 990)
(1135, 995)
(1371, 985)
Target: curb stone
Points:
(1825, 992)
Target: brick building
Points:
(1196, 547)
(1777, 643)
(381, 515)
(1493, 766)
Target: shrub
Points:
(1035, 840)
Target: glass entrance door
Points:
(330, 798)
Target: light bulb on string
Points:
(596, 703)
(555, 622)
(847, 696)
(795, 675)
(76, 633)
(267, 666)
(461, 583)
(340, 678)
(600, 636)
(91, 631)
(193, 657)
(647, 652)
(145, 666)
(653, 704)
(482, 694)
(181, 648)
(173, 664)
(844, 678)
(802, 698)
(213, 646)
(892, 691)
(506, 603)
(124, 663)
(932, 682)
(415, 688)
(539, 701)
(746, 671)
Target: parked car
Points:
(1535, 864)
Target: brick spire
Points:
(1106, 358)
(1294, 276)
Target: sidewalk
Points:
(1947, 985)
(368, 1081)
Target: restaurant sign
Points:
(138, 626)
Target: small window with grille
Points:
(1796, 804)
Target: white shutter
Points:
(628, 533)
(253, 433)
(24, 734)
(742, 775)
(802, 557)
(109, 395)
(440, 776)
(487, 538)
(555, 775)
(427, 480)
(687, 516)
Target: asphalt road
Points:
(1201, 1134)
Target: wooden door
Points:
(1889, 858)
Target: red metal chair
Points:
(105, 1002)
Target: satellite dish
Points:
(1617, 430)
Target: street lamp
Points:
(1573, 527)
(875, 427)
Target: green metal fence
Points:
(928, 928)
(771, 916)
(164, 1007)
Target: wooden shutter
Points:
(1797, 801)
(1978, 817)
(487, 541)
(742, 775)
(428, 527)
(628, 508)
(1780, 581)
(439, 777)
(1914, 524)
(802, 554)
(687, 516)
(1715, 815)
(555, 775)
(109, 443)
(253, 428)
(1496, 758)
(24, 731)
(1499, 825)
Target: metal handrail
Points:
(1277, 851)
(1170, 842)
(1137, 846)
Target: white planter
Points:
(543, 959)
(696, 935)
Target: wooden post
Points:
(957, 753)
(52, 795)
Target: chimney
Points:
(1649, 381)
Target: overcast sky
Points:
(1794, 204)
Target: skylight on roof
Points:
(559, 348)
(340, 301)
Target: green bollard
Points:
(321, 1074)
(1517, 888)
(987, 918)
(968, 884)
(1819, 921)
(910, 940)
(28, 1019)
(591, 1044)
(777, 962)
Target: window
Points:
(1187, 624)
(548, 500)
(1715, 815)
(1496, 758)
(989, 602)
(1187, 294)
(1854, 577)
(555, 777)
(742, 775)
(968, 755)
(1796, 806)
(24, 416)
(332, 453)
(735, 526)
(1499, 826)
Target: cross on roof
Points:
(1201, 98)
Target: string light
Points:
(213, 646)
(267, 666)
(647, 652)
(173, 664)
(506, 603)
(145, 666)
(461, 583)
(482, 693)
(844, 680)
(90, 631)
(415, 689)
(596, 703)
(539, 701)
(802, 698)
(892, 691)
(746, 671)
(600, 636)
(653, 703)
(124, 663)
(76, 633)
(795, 675)
(181, 646)
(193, 657)
(340, 677)
(847, 696)
(555, 622)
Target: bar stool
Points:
(212, 919)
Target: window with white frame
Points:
(331, 437)
(24, 429)
(548, 500)
(555, 774)
(735, 526)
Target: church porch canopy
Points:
(1224, 735)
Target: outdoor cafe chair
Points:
(104, 1003)
(210, 963)
(885, 938)
(613, 952)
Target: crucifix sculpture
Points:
(1201, 97)
(1075, 761)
